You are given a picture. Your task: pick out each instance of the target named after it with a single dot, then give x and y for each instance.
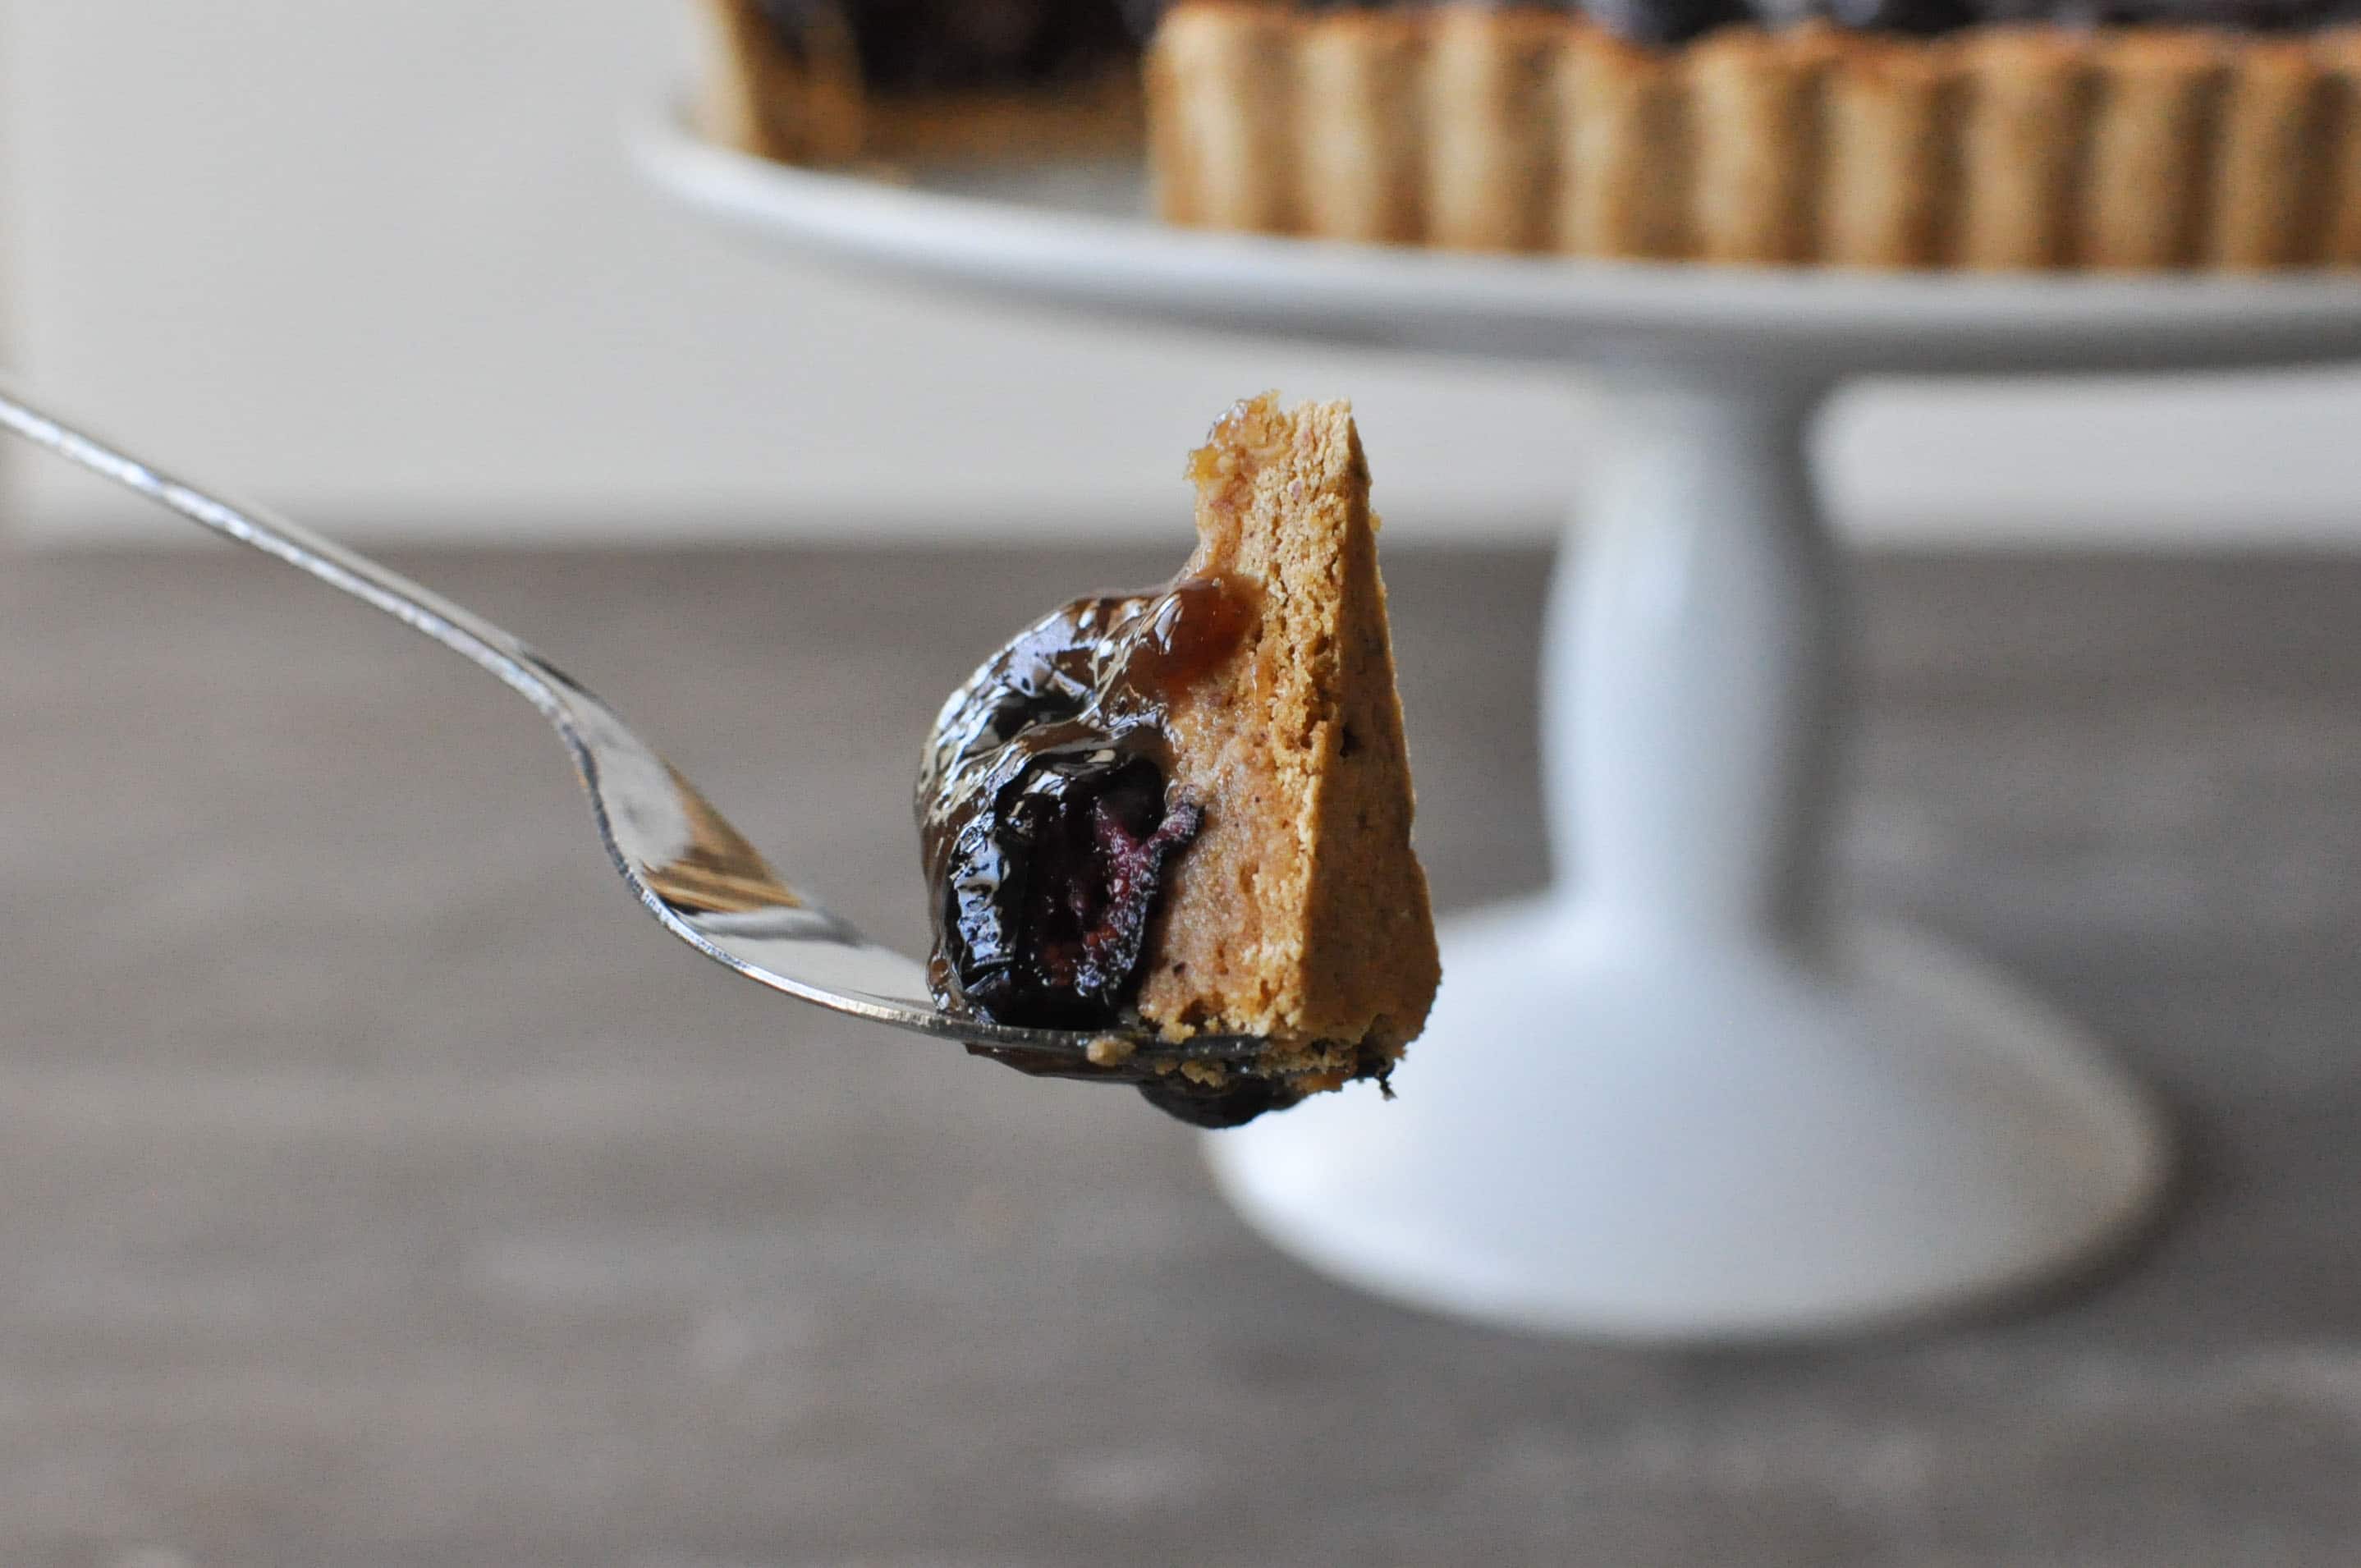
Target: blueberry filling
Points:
(1045, 809)
(1232, 1104)
(1045, 922)
(1049, 822)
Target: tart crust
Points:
(1300, 914)
(1992, 148)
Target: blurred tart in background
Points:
(1988, 135)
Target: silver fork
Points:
(694, 871)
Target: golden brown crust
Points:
(2026, 94)
(1088, 119)
(2268, 186)
(761, 97)
(1754, 130)
(1623, 151)
(1489, 110)
(1361, 153)
(2002, 148)
(1300, 914)
(1222, 91)
(2142, 200)
(2340, 163)
(1887, 157)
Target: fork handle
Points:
(462, 632)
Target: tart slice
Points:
(834, 81)
(1190, 808)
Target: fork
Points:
(699, 876)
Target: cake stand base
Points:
(1724, 1144)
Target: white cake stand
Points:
(1683, 1097)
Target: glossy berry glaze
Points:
(1047, 819)
(915, 45)
(919, 46)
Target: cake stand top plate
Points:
(1078, 237)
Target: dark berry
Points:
(1043, 807)
(940, 45)
(1232, 1104)
(1079, 854)
(1923, 18)
(1666, 22)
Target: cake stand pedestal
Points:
(1686, 1096)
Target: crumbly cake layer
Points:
(1994, 147)
(1301, 911)
(809, 104)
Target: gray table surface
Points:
(379, 1187)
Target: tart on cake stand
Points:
(1686, 1096)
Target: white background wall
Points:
(385, 265)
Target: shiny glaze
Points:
(1047, 819)
(1044, 812)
